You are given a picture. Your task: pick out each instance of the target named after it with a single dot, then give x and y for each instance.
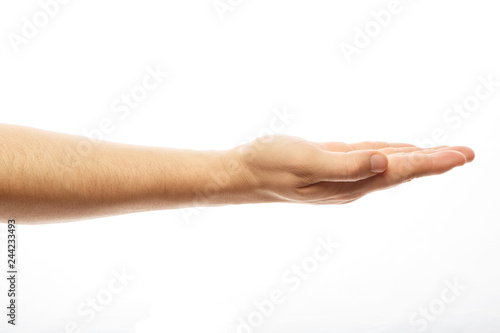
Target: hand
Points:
(284, 168)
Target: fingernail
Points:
(378, 163)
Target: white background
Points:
(226, 76)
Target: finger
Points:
(334, 146)
(378, 145)
(468, 153)
(405, 167)
(348, 167)
(366, 145)
(391, 150)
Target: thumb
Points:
(351, 166)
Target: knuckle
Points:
(407, 173)
(301, 162)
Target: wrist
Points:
(230, 181)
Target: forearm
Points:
(49, 176)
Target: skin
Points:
(52, 177)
